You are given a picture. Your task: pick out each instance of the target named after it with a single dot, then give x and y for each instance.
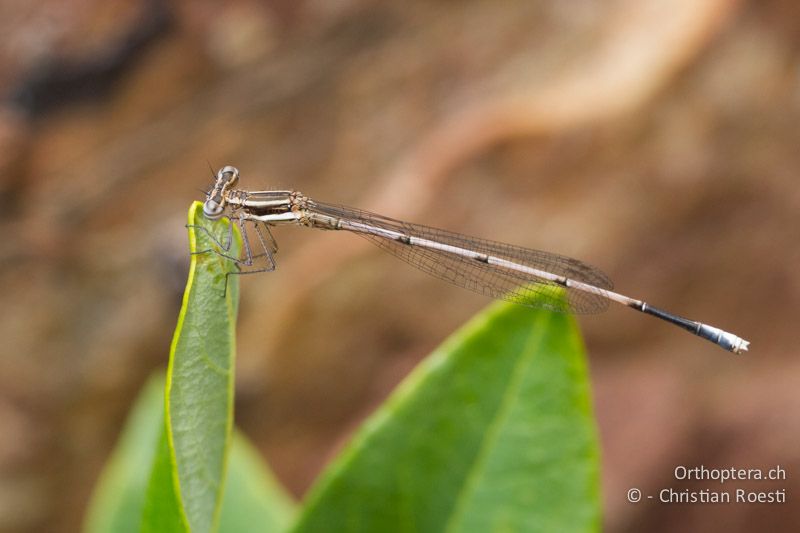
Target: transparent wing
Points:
(483, 278)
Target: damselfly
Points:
(529, 277)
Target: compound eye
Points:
(212, 210)
(232, 175)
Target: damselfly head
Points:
(227, 177)
(214, 206)
(212, 209)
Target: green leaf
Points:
(167, 472)
(199, 387)
(493, 432)
(253, 500)
(118, 498)
(162, 509)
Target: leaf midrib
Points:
(495, 426)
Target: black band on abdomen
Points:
(685, 323)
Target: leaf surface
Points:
(199, 388)
(253, 500)
(493, 432)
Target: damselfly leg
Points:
(266, 248)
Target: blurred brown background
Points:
(656, 140)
